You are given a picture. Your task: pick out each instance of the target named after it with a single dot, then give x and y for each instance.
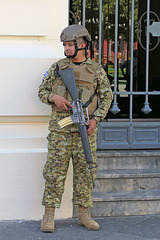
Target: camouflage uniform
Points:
(65, 143)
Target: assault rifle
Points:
(68, 79)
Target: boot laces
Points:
(49, 217)
(87, 216)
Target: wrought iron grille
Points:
(144, 94)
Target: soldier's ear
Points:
(83, 45)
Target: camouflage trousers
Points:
(64, 144)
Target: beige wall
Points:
(29, 44)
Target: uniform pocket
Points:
(84, 93)
(61, 90)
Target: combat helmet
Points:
(74, 32)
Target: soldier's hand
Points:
(61, 102)
(92, 125)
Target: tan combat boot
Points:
(86, 220)
(47, 224)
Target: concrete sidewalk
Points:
(112, 228)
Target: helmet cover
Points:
(73, 32)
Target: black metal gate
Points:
(126, 41)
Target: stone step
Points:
(127, 180)
(128, 183)
(126, 196)
(126, 203)
(128, 173)
(128, 159)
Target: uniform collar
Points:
(88, 61)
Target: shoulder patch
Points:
(46, 74)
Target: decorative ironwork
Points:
(146, 109)
(115, 109)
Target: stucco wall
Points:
(29, 44)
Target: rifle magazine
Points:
(65, 122)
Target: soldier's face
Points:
(69, 48)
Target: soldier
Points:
(65, 143)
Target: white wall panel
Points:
(60, 19)
(29, 44)
(24, 17)
(21, 78)
(22, 187)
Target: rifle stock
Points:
(68, 79)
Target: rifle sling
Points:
(57, 70)
(90, 99)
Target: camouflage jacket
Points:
(101, 84)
